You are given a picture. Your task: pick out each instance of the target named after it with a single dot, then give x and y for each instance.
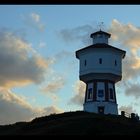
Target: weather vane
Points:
(101, 24)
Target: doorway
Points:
(101, 109)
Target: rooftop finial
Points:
(101, 24)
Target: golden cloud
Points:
(79, 90)
(20, 63)
(15, 108)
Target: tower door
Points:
(101, 109)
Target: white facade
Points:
(111, 62)
(100, 68)
(109, 108)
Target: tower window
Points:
(115, 62)
(101, 93)
(85, 62)
(90, 93)
(100, 60)
(111, 93)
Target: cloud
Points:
(20, 64)
(128, 37)
(51, 110)
(128, 109)
(131, 67)
(35, 17)
(54, 86)
(133, 90)
(69, 64)
(15, 108)
(34, 21)
(81, 33)
(79, 90)
(64, 54)
(42, 45)
(126, 34)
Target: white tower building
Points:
(100, 69)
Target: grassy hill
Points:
(74, 123)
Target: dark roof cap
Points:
(100, 46)
(100, 32)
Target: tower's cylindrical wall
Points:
(100, 91)
(101, 61)
(100, 68)
(101, 97)
(108, 108)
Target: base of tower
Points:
(101, 107)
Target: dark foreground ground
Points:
(74, 123)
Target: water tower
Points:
(100, 69)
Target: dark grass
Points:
(74, 123)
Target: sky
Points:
(39, 73)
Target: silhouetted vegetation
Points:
(74, 123)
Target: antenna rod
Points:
(101, 24)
